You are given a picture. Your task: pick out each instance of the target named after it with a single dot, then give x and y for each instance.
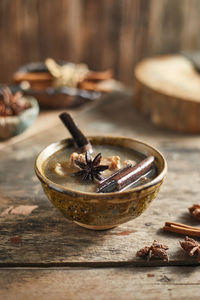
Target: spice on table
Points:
(182, 229)
(125, 177)
(12, 104)
(156, 250)
(191, 246)
(91, 169)
(195, 211)
(81, 141)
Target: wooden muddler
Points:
(81, 141)
(125, 177)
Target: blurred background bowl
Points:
(39, 84)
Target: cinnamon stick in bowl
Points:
(81, 141)
(125, 177)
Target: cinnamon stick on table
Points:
(182, 229)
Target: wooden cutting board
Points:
(167, 91)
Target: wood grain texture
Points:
(46, 238)
(113, 284)
(167, 91)
(104, 34)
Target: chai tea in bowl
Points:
(100, 190)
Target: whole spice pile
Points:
(159, 251)
(50, 73)
(183, 228)
(12, 104)
(79, 76)
(189, 245)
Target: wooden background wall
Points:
(102, 33)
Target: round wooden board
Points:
(167, 90)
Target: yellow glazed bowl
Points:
(102, 210)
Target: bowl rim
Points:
(57, 187)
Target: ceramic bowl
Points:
(49, 96)
(101, 211)
(14, 125)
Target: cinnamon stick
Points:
(81, 141)
(93, 86)
(32, 76)
(108, 179)
(35, 76)
(182, 229)
(104, 75)
(125, 177)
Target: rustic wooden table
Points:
(44, 256)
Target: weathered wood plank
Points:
(167, 92)
(113, 284)
(46, 237)
(114, 33)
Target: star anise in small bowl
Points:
(12, 104)
(91, 169)
(17, 112)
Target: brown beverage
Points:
(59, 169)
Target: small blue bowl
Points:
(14, 125)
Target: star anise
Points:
(156, 250)
(12, 104)
(195, 211)
(91, 169)
(191, 246)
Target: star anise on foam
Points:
(91, 169)
(191, 246)
(195, 211)
(156, 250)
